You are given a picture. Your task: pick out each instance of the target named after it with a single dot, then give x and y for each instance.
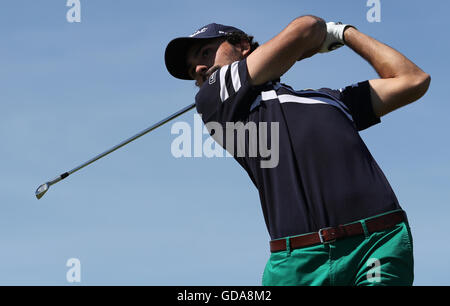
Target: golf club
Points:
(42, 189)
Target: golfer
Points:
(332, 216)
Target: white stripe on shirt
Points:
(316, 100)
(223, 86)
(235, 76)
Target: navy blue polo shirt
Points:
(324, 175)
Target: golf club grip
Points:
(149, 129)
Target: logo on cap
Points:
(199, 32)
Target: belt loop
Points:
(364, 226)
(288, 246)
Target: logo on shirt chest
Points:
(212, 78)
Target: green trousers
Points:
(380, 258)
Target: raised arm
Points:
(300, 39)
(401, 81)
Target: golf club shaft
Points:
(149, 129)
(42, 189)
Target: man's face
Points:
(205, 57)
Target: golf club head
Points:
(41, 190)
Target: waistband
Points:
(330, 234)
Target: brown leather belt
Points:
(331, 234)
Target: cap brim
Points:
(176, 56)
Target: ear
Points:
(244, 47)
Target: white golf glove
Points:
(335, 36)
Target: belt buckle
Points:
(322, 240)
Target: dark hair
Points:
(235, 38)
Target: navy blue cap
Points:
(176, 51)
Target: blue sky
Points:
(69, 91)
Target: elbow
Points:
(310, 29)
(310, 26)
(320, 30)
(317, 29)
(414, 86)
(426, 82)
(314, 21)
(421, 84)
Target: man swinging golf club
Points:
(330, 211)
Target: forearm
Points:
(387, 62)
(401, 81)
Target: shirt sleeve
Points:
(357, 99)
(227, 95)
